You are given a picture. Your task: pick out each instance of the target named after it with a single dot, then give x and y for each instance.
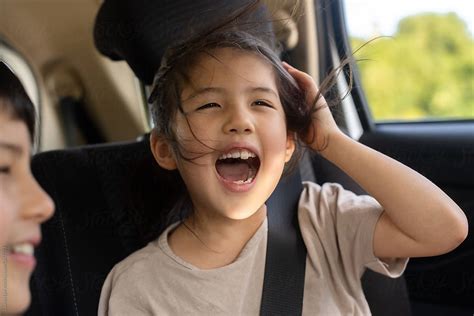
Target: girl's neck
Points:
(211, 241)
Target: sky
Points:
(366, 17)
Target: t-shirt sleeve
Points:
(346, 223)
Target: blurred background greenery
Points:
(424, 71)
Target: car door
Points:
(438, 144)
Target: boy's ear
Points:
(162, 151)
(290, 146)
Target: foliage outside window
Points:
(425, 70)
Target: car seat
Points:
(98, 191)
(109, 203)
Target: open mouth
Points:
(21, 249)
(22, 254)
(239, 166)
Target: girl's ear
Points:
(290, 146)
(162, 151)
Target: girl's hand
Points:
(418, 219)
(324, 126)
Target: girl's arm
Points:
(419, 219)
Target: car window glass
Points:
(415, 58)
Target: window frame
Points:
(333, 32)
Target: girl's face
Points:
(24, 206)
(233, 106)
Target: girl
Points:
(23, 204)
(229, 117)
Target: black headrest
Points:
(139, 31)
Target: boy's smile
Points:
(27, 206)
(233, 134)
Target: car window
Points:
(415, 58)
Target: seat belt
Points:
(283, 283)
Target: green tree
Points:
(425, 70)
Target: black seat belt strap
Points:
(283, 284)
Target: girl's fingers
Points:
(323, 121)
(286, 65)
(301, 77)
(304, 81)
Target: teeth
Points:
(243, 182)
(25, 249)
(242, 154)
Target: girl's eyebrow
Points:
(219, 90)
(263, 89)
(15, 149)
(204, 90)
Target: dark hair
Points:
(14, 100)
(178, 59)
(166, 95)
(173, 75)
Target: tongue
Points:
(234, 171)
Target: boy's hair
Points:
(14, 100)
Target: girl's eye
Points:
(4, 170)
(263, 103)
(209, 105)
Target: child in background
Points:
(230, 116)
(23, 204)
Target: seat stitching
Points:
(69, 265)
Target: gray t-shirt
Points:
(337, 228)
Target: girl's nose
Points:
(37, 206)
(239, 121)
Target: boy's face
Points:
(231, 109)
(24, 206)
